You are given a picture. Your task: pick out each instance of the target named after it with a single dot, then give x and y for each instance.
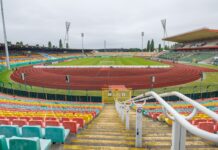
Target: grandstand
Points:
(196, 46)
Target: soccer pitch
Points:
(110, 61)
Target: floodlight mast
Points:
(5, 36)
(66, 40)
(105, 43)
(142, 34)
(82, 35)
(164, 25)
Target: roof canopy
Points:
(196, 35)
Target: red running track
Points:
(98, 78)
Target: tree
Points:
(49, 44)
(152, 45)
(17, 43)
(159, 48)
(60, 44)
(21, 43)
(148, 46)
(67, 45)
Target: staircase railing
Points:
(180, 122)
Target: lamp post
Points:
(5, 36)
(152, 78)
(208, 90)
(193, 90)
(23, 77)
(68, 84)
(201, 77)
(82, 35)
(142, 34)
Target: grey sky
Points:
(120, 22)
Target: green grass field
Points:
(109, 61)
(210, 79)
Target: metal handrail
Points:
(182, 120)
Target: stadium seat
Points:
(65, 119)
(37, 122)
(3, 143)
(20, 123)
(5, 122)
(33, 131)
(52, 123)
(38, 118)
(80, 121)
(72, 126)
(207, 126)
(10, 130)
(197, 121)
(56, 134)
(18, 143)
(11, 118)
(25, 118)
(50, 118)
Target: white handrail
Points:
(180, 118)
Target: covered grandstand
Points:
(196, 46)
(201, 39)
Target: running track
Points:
(98, 78)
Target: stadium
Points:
(61, 98)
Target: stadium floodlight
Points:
(66, 40)
(142, 34)
(105, 44)
(82, 35)
(164, 25)
(5, 36)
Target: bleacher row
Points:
(41, 123)
(202, 121)
(188, 56)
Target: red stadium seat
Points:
(197, 121)
(50, 118)
(25, 118)
(37, 118)
(20, 123)
(12, 118)
(72, 125)
(80, 121)
(37, 122)
(207, 126)
(5, 122)
(52, 123)
(65, 119)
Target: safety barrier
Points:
(180, 123)
(100, 66)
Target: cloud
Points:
(120, 22)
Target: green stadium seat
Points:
(33, 131)
(18, 143)
(3, 143)
(10, 130)
(56, 134)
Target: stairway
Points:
(107, 132)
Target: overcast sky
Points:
(119, 22)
